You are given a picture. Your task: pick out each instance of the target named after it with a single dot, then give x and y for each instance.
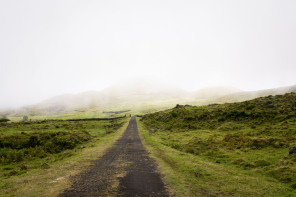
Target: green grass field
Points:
(237, 149)
(83, 113)
(37, 158)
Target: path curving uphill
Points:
(125, 170)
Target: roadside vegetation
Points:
(233, 149)
(38, 157)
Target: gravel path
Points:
(125, 170)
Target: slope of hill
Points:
(250, 136)
(248, 95)
(269, 109)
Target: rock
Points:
(292, 150)
(45, 165)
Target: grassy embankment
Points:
(39, 157)
(235, 149)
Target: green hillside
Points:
(251, 136)
(252, 114)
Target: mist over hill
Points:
(127, 94)
(143, 93)
(249, 95)
(214, 92)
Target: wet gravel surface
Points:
(125, 170)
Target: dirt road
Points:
(125, 170)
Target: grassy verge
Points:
(50, 175)
(189, 174)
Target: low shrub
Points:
(4, 120)
(16, 147)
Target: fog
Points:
(48, 48)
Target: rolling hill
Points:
(144, 93)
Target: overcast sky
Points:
(51, 47)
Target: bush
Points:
(14, 148)
(4, 120)
(25, 118)
(174, 114)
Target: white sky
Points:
(51, 47)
